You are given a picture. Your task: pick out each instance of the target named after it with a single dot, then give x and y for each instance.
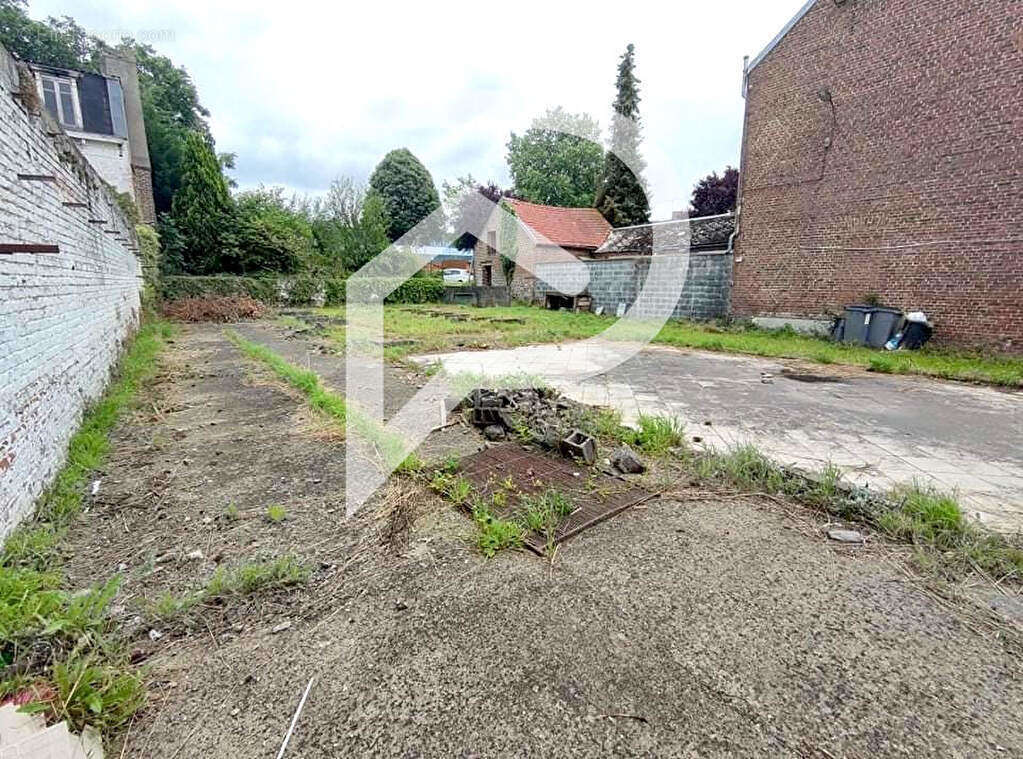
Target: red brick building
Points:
(883, 155)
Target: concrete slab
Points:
(16, 726)
(881, 429)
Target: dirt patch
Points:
(507, 476)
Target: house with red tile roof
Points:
(543, 234)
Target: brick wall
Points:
(920, 149)
(621, 279)
(64, 316)
(142, 179)
(484, 256)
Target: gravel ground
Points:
(689, 626)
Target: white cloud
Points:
(304, 91)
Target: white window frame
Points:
(75, 103)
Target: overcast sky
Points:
(305, 91)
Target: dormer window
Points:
(60, 97)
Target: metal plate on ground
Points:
(594, 495)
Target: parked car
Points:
(456, 277)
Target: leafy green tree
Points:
(557, 161)
(451, 195)
(270, 234)
(621, 197)
(344, 201)
(57, 42)
(202, 210)
(370, 237)
(172, 260)
(170, 102)
(407, 192)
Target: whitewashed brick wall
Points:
(64, 317)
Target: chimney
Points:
(121, 65)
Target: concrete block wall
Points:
(64, 316)
(708, 287)
(705, 293)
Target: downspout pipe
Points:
(738, 198)
(738, 193)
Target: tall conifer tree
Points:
(202, 210)
(621, 196)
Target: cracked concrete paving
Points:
(881, 430)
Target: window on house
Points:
(59, 99)
(117, 118)
(492, 241)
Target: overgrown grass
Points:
(442, 328)
(59, 642)
(242, 579)
(92, 690)
(604, 423)
(657, 434)
(336, 407)
(932, 362)
(256, 575)
(276, 513)
(494, 534)
(456, 489)
(917, 514)
(37, 615)
(305, 381)
(543, 512)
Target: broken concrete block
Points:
(624, 459)
(579, 445)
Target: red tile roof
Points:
(567, 227)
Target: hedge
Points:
(414, 290)
(260, 288)
(300, 290)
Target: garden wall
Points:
(69, 292)
(705, 293)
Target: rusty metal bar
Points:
(28, 247)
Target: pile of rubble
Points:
(543, 417)
(535, 415)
